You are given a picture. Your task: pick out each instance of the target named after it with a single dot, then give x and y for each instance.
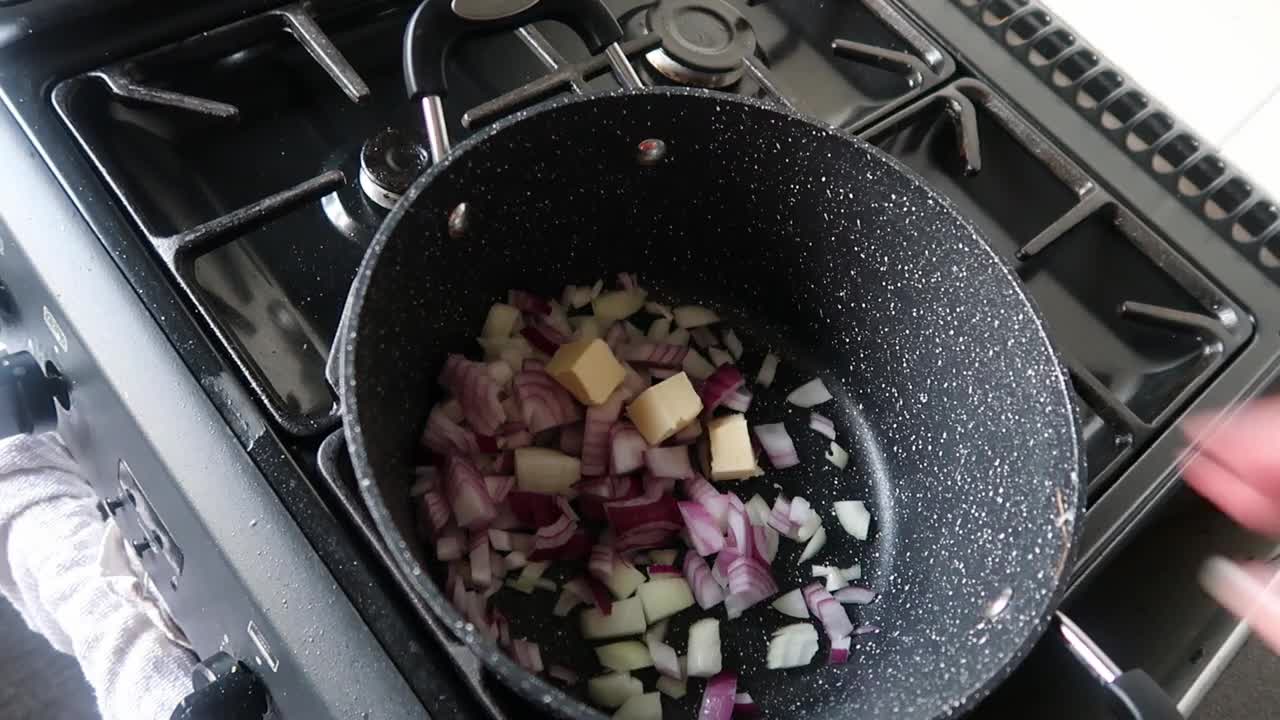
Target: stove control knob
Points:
(27, 396)
(224, 688)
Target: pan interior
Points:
(949, 398)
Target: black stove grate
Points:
(1166, 149)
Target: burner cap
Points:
(704, 42)
(389, 163)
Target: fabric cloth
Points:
(68, 575)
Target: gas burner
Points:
(704, 42)
(389, 163)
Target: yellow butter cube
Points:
(664, 409)
(587, 369)
(731, 455)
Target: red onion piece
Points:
(562, 502)
(653, 355)
(615, 337)
(446, 437)
(601, 562)
(839, 651)
(669, 462)
(648, 535)
(829, 612)
(663, 373)
(626, 448)
(744, 706)
(487, 443)
(628, 281)
(642, 511)
(717, 699)
(822, 425)
(506, 463)
(600, 595)
(476, 390)
(544, 403)
(499, 486)
(563, 674)
(533, 365)
(750, 581)
(580, 589)
(500, 540)
(810, 394)
(722, 563)
(425, 477)
(687, 435)
(703, 528)
(717, 388)
(517, 438)
(706, 591)
(450, 546)
(527, 302)
(855, 596)
(704, 337)
(437, 509)
(527, 655)
(595, 438)
(634, 382)
(561, 540)
(657, 570)
(542, 336)
(478, 555)
(468, 497)
(780, 517)
(739, 400)
(533, 509)
(777, 445)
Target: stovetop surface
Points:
(166, 138)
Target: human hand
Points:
(1237, 468)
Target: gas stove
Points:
(197, 189)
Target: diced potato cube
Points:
(500, 322)
(731, 454)
(624, 656)
(587, 369)
(665, 409)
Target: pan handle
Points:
(1132, 695)
(437, 24)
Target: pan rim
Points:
(535, 689)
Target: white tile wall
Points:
(1215, 64)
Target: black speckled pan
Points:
(812, 243)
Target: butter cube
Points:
(731, 455)
(665, 409)
(587, 369)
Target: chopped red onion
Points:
(544, 403)
(445, 436)
(648, 535)
(615, 336)
(476, 390)
(719, 357)
(703, 337)
(628, 281)
(487, 443)
(626, 448)
(855, 596)
(664, 658)
(499, 486)
(527, 302)
(822, 425)
(717, 699)
(739, 400)
(780, 517)
(828, 611)
(601, 562)
(663, 373)
(653, 354)
(506, 463)
(624, 515)
(562, 502)
(542, 336)
(437, 509)
(600, 595)
(839, 651)
(468, 497)
(704, 530)
(580, 588)
(749, 583)
(478, 555)
(717, 389)
(527, 655)
(732, 342)
(533, 509)
(777, 445)
(450, 546)
(655, 486)
(810, 394)
(744, 706)
(634, 382)
(706, 591)
(595, 438)
(516, 438)
(687, 435)
(669, 462)
(426, 477)
(768, 368)
(552, 541)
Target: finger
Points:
(1238, 499)
(1245, 594)
(1247, 442)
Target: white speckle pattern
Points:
(954, 408)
